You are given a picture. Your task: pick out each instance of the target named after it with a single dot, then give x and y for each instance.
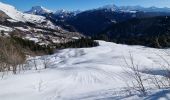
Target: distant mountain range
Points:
(32, 26)
(41, 10)
(125, 24)
(135, 8)
(92, 22)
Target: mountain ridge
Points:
(32, 27)
(102, 17)
(135, 8)
(38, 10)
(112, 7)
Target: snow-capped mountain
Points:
(52, 15)
(58, 17)
(110, 7)
(101, 18)
(38, 10)
(62, 11)
(64, 14)
(32, 27)
(135, 8)
(16, 15)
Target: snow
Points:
(5, 28)
(22, 29)
(134, 9)
(17, 16)
(39, 30)
(38, 10)
(83, 74)
(32, 39)
(76, 38)
(12, 20)
(109, 7)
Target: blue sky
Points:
(82, 4)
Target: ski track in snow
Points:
(81, 74)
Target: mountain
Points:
(94, 21)
(16, 15)
(38, 10)
(152, 32)
(32, 27)
(135, 8)
(62, 11)
(63, 14)
(110, 7)
(58, 17)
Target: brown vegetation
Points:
(11, 56)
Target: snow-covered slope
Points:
(19, 16)
(96, 73)
(38, 10)
(32, 27)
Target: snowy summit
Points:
(39, 10)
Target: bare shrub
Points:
(156, 82)
(45, 62)
(11, 55)
(165, 81)
(35, 64)
(134, 72)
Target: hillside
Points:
(106, 53)
(32, 27)
(87, 74)
(153, 32)
(93, 21)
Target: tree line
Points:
(151, 32)
(79, 43)
(14, 50)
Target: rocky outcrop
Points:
(3, 16)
